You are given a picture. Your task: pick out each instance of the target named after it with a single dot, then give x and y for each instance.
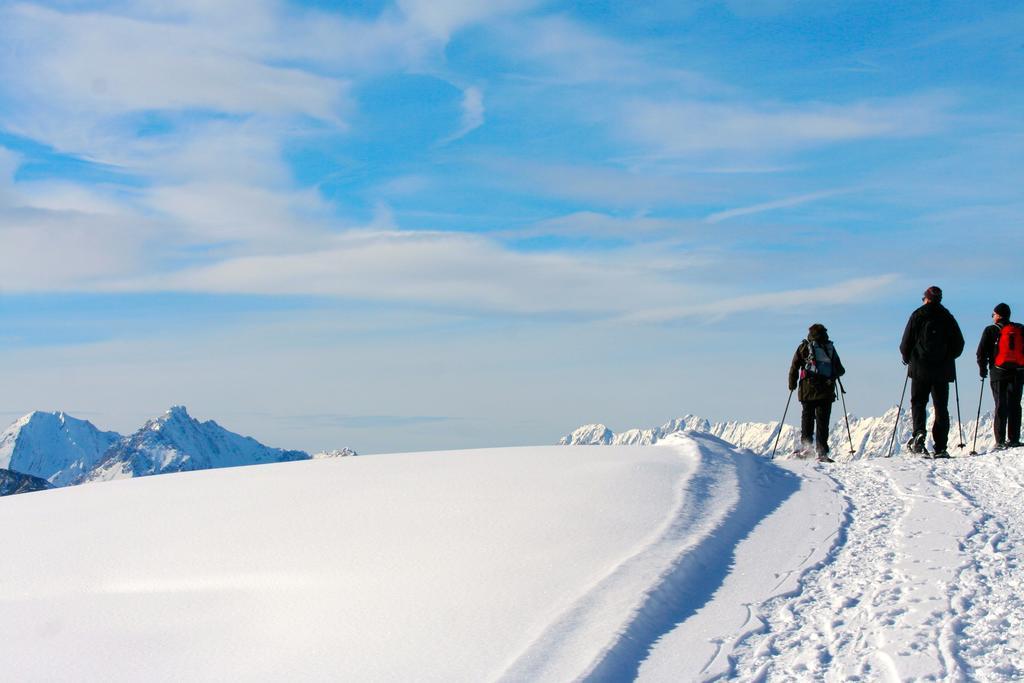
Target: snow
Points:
(685, 560)
(908, 571)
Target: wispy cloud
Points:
(687, 127)
(88, 69)
(457, 270)
(317, 421)
(787, 202)
(557, 51)
(593, 224)
(601, 185)
(472, 113)
(834, 294)
(444, 17)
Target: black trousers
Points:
(1007, 395)
(815, 417)
(920, 390)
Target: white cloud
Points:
(254, 216)
(87, 68)
(9, 162)
(460, 272)
(787, 202)
(45, 250)
(687, 127)
(759, 9)
(592, 224)
(844, 292)
(61, 236)
(441, 269)
(603, 185)
(444, 17)
(472, 113)
(558, 51)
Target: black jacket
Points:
(943, 369)
(987, 349)
(814, 387)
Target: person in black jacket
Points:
(931, 343)
(1006, 381)
(816, 364)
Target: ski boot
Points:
(916, 445)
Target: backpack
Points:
(933, 341)
(1010, 349)
(818, 360)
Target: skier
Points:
(1000, 354)
(931, 343)
(817, 366)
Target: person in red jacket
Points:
(1001, 357)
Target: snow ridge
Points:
(682, 566)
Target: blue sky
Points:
(438, 223)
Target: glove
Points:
(792, 386)
(984, 373)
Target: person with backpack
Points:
(932, 341)
(1001, 356)
(816, 365)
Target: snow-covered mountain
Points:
(336, 453)
(870, 436)
(14, 482)
(177, 442)
(63, 450)
(54, 446)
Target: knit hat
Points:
(1002, 310)
(933, 293)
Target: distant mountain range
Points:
(870, 436)
(56, 449)
(14, 482)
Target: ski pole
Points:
(899, 410)
(981, 396)
(782, 422)
(959, 420)
(842, 396)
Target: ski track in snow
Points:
(923, 583)
(720, 504)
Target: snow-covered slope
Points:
(870, 436)
(686, 560)
(54, 446)
(176, 442)
(427, 566)
(14, 482)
